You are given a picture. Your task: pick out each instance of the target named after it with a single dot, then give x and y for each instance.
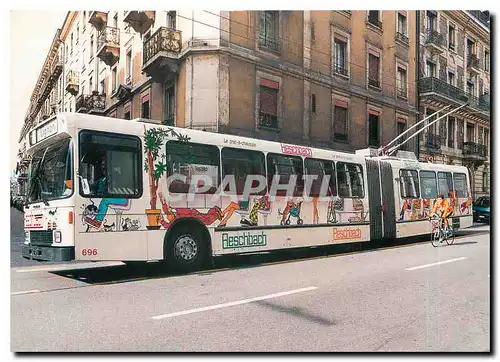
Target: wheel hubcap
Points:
(185, 248)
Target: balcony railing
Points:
(401, 92)
(475, 149)
(434, 37)
(268, 121)
(433, 141)
(108, 36)
(402, 37)
(374, 82)
(90, 103)
(340, 69)
(375, 21)
(163, 40)
(438, 86)
(270, 43)
(473, 62)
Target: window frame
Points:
(466, 193)
(223, 173)
(421, 183)
(333, 176)
(439, 174)
(300, 180)
(401, 184)
(140, 186)
(361, 172)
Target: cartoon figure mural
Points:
(315, 210)
(359, 208)
(128, 224)
(94, 216)
(334, 206)
(155, 167)
(259, 205)
(292, 208)
(465, 207)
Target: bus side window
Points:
(445, 183)
(408, 183)
(325, 172)
(350, 180)
(282, 167)
(110, 164)
(460, 184)
(190, 160)
(241, 163)
(428, 186)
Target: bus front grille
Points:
(41, 237)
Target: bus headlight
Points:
(57, 236)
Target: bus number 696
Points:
(89, 252)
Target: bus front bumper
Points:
(48, 253)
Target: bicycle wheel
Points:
(436, 237)
(450, 238)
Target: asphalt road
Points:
(394, 299)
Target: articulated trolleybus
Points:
(108, 189)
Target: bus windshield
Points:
(50, 173)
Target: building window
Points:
(487, 60)
(103, 87)
(340, 56)
(268, 111)
(373, 70)
(470, 87)
(487, 140)
(171, 20)
(128, 67)
(145, 106)
(269, 30)
(451, 132)
(470, 132)
(91, 84)
(431, 21)
(115, 20)
(71, 49)
(340, 119)
(114, 79)
(91, 47)
(169, 112)
(374, 18)
(402, 83)
(313, 103)
(77, 33)
(452, 79)
(451, 37)
(400, 128)
(127, 112)
(431, 69)
(402, 24)
(485, 181)
(373, 129)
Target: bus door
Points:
(373, 175)
(389, 213)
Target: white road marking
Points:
(68, 267)
(438, 263)
(26, 292)
(231, 304)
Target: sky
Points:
(31, 34)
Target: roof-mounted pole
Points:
(394, 148)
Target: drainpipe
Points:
(192, 69)
(417, 78)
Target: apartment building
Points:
(455, 67)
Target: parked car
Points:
(481, 209)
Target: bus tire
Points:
(186, 249)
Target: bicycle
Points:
(438, 234)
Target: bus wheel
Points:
(186, 249)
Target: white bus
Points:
(98, 191)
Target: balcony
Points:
(98, 19)
(374, 82)
(161, 53)
(438, 90)
(140, 21)
(402, 38)
(433, 142)
(434, 41)
(473, 64)
(268, 121)
(72, 83)
(94, 103)
(55, 71)
(108, 45)
(270, 43)
(474, 151)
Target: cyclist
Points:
(442, 205)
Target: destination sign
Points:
(43, 132)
